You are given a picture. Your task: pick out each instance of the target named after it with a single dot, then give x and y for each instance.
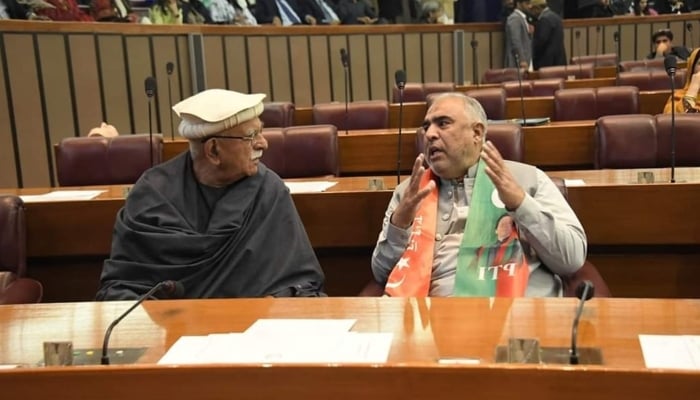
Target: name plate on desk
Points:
(529, 351)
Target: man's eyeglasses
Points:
(253, 136)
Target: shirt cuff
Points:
(397, 236)
(527, 212)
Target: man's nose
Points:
(430, 132)
(261, 143)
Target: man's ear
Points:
(479, 132)
(211, 151)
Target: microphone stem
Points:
(398, 157)
(673, 129)
(347, 93)
(522, 96)
(573, 356)
(150, 132)
(475, 68)
(104, 360)
(170, 103)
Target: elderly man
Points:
(213, 218)
(441, 219)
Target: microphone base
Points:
(528, 351)
(116, 356)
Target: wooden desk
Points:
(423, 331)
(651, 102)
(653, 230)
(557, 145)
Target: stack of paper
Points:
(62, 195)
(671, 351)
(284, 341)
(309, 186)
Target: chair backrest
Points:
(512, 88)
(278, 114)
(508, 139)
(13, 236)
(588, 271)
(369, 114)
(83, 161)
(625, 141)
(498, 75)
(438, 87)
(537, 87)
(412, 92)
(302, 151)
(580, 71)
(687, 140)
(274, 156)
(651, 79)
(575, 104)
(616, 100)
(14, 287)
(641, 65)
(311, 151)
(592, 103)
(598, 60)
(492, 99)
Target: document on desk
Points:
(574, 182)
(671, 351)
(301, 348)
(62, 195)
(287, 326)
(309, 186)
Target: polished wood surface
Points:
(653, 229)
(424, 330)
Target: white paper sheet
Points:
(671, 351)
(309, 186)
(186, 350)
(574, 182)
(63, 195)
(287, 326)
(244, 348)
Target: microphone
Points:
(169, 67)
(689, 28)
(150, 84)
(475, 66)
(597, 39)
(345, 60)
(670, 66)
(516, 55)
(584, 292)
(577, 34)
(169, 289)
(616, 39)
(400, 78)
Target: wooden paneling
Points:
(28, 111)
(87, 83)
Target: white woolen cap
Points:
(215, 110)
